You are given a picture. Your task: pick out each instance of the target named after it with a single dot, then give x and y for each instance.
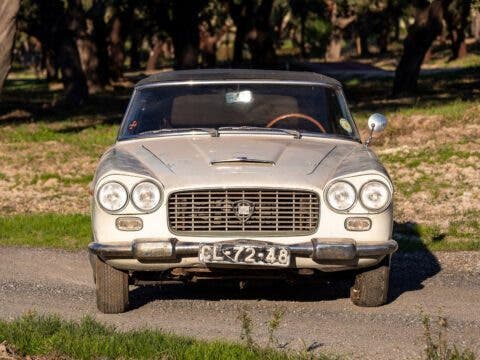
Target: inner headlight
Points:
(375, 195)
(341, 195)
(146, 196)
(112, 196)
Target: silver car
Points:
(240, 173)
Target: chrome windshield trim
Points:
(221, 82)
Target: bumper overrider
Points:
(320, 250)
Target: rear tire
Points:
(371, 285)
(111, 287)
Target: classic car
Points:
(240, 173)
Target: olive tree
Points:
(8, 14)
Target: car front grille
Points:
(243, 211)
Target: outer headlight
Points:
(375, 195)
(112, 196)
(341, 195)
(146, 196)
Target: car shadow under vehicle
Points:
(408, 271)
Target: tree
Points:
(456, 17)
(340, 17)
(184, 32)
(86, 45)
(47, 20)
(8, 14)
(252, 19)
(428, 25)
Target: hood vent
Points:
(242, 160)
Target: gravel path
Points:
(52, 281)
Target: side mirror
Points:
(376, 123)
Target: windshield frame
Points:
(337, 88)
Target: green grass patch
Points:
(459, 235)
(88, 339)
(81, 179)
(439, 155)
(89, 139)
(46, 230)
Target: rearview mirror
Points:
(376, 123)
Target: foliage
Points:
(88, 339)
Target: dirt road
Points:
(49, 281)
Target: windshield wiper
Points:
(296, 133)
(213, 132)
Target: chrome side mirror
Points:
(376, 123)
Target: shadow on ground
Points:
(408, 272)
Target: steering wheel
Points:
(297, 115)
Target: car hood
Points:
(239, 160)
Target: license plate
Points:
(244, 254)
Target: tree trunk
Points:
(428, 25)
(49, 63)
(475, 27)
(8, 14)
(154, 55)
(55, 35)
(185, 35)
(363, 38)
(95, 16)
(136, 40)
(85, 44)
(303, 20)
(260, 39)
(116, 49)
(334, 48)
(382, 40)
(456, 17)
(241, 14)
(73, 78)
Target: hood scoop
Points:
(242, 160)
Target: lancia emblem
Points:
(243, 210)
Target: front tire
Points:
(111, 287)
(371, 285)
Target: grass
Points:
(81, 179)
(69, 232)
(50, 336)
(459, 235)
(90, 139)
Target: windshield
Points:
(214, 108)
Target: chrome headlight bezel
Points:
(146, 210)
(349, 185)
(384, 206)
(102, 205)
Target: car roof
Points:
(236, 74)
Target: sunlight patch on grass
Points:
(69, 232)
(88, 339)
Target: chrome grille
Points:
(275, 212)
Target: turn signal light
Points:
(358, 224)
(129, 223)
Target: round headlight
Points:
(341, 195)
(146, 196)
(112, 196)
(375, 195)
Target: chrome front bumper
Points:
(321, 250)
